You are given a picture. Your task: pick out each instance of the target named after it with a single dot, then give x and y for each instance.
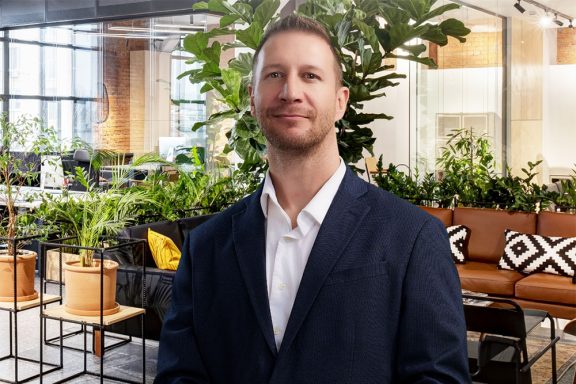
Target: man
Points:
(318, 277)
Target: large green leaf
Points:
(232, 79)
(242, 63)
(439, 11)
(435, 35)
(226, 20)
(196, 44)
(266, 11)
(251, 36)
(455, 28)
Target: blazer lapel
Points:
(337, 230)
(249, 235)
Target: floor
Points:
(124, 361)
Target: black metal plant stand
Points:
(14, 308)
(99, 324)
(56, 341)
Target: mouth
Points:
(289, 116)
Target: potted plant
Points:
(88, 218)
(22, 143)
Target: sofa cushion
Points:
(165, 253)
(487, 278)
(442, 214)
(458, 236)
(166, 228)
(533, 253)
(487, 230)
(556, 224)
(547, 288)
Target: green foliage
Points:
(469, 178)
(362, 42)
(25, 134)
(565, 198)
(185, 188)
(90, 216)
(467, 167)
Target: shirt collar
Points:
(317, 208)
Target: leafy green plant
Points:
(365, 33)
(469, 178)
(467, 167)
(25, 134)
(565, 198)
(188, 188)
(90, 216)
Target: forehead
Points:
(296, 47)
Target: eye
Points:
(274, 75)
(310, 76)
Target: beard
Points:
(279, 137)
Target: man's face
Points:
(296, 96)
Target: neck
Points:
(297, 178)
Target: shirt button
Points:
(281, 286)
(277, 331)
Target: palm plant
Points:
(91, 216)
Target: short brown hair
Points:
(297, 23)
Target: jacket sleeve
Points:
(179, 358)
(432, 333)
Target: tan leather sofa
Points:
(553, 293)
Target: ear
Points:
(342, 95)
(251, 93)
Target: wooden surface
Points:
(124, 313)
(22, 305)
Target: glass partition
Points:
(112, 84)
(465, 91)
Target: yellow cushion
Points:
(165, 253)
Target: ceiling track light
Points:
(558, 22)
(547, 11)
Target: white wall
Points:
(400, 140)
(392, 136)
(559, 116)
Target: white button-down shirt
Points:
(287, 249)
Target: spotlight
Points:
(558, 22)
(519, 7)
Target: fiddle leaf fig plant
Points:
(365, 33)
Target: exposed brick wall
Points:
(566, 45)
(114, 133)
(481, 49)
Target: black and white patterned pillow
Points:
(534, 253)
(459, 236)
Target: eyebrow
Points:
(307, 67)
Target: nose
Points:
(291, 90)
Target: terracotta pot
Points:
(83, 288)
(25, 270)
(53, 264)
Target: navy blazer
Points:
(379, 301)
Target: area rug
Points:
(542, 370)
